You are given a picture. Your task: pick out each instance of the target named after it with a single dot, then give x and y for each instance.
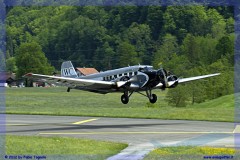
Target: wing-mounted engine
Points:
(166, 79)
(172, 81)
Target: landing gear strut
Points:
(125, 97)
(152, 97)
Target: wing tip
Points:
(216, 74)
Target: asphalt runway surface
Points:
(142, 135)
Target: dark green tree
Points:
(155, 20)
(11, 65)
(197, 88)
(139, 35)
(2, 62)
(216, 24)
(225, 47)
(191, 49)
(166, 51)
(127, 55)
(179, 65)
(30, 58)
(223, 84)
(104, 57)
(178, 96)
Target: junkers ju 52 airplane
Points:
(126, 80)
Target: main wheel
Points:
(124, 99)
(153, 99)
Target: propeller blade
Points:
(121, 83)
(133, 79)
(163, 76)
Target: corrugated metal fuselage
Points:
(118, 75)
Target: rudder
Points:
(67, 70)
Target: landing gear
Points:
(125, 99)
(152, 97)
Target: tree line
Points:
(186, 40)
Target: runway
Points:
(142, 135)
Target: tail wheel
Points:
(153, 98)
(68, 90)
(125, 99)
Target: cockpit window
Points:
(145, 69)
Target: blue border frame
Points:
(120, 2)
(237, 72)
(2, 77)
(235, 3)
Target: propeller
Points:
(138, 80)
(163, 77)
(121, 83)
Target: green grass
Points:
(56, 101)
(35, 145)
(190, 153)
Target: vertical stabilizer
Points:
(67, 70)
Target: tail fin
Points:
(67, 70)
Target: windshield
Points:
(144, 69)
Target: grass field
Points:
(47, 146)
(190, 153)
(56, 101)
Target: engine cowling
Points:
(172, 81)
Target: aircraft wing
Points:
(183, 80)
(85, 84)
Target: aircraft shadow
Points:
(84, 127)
